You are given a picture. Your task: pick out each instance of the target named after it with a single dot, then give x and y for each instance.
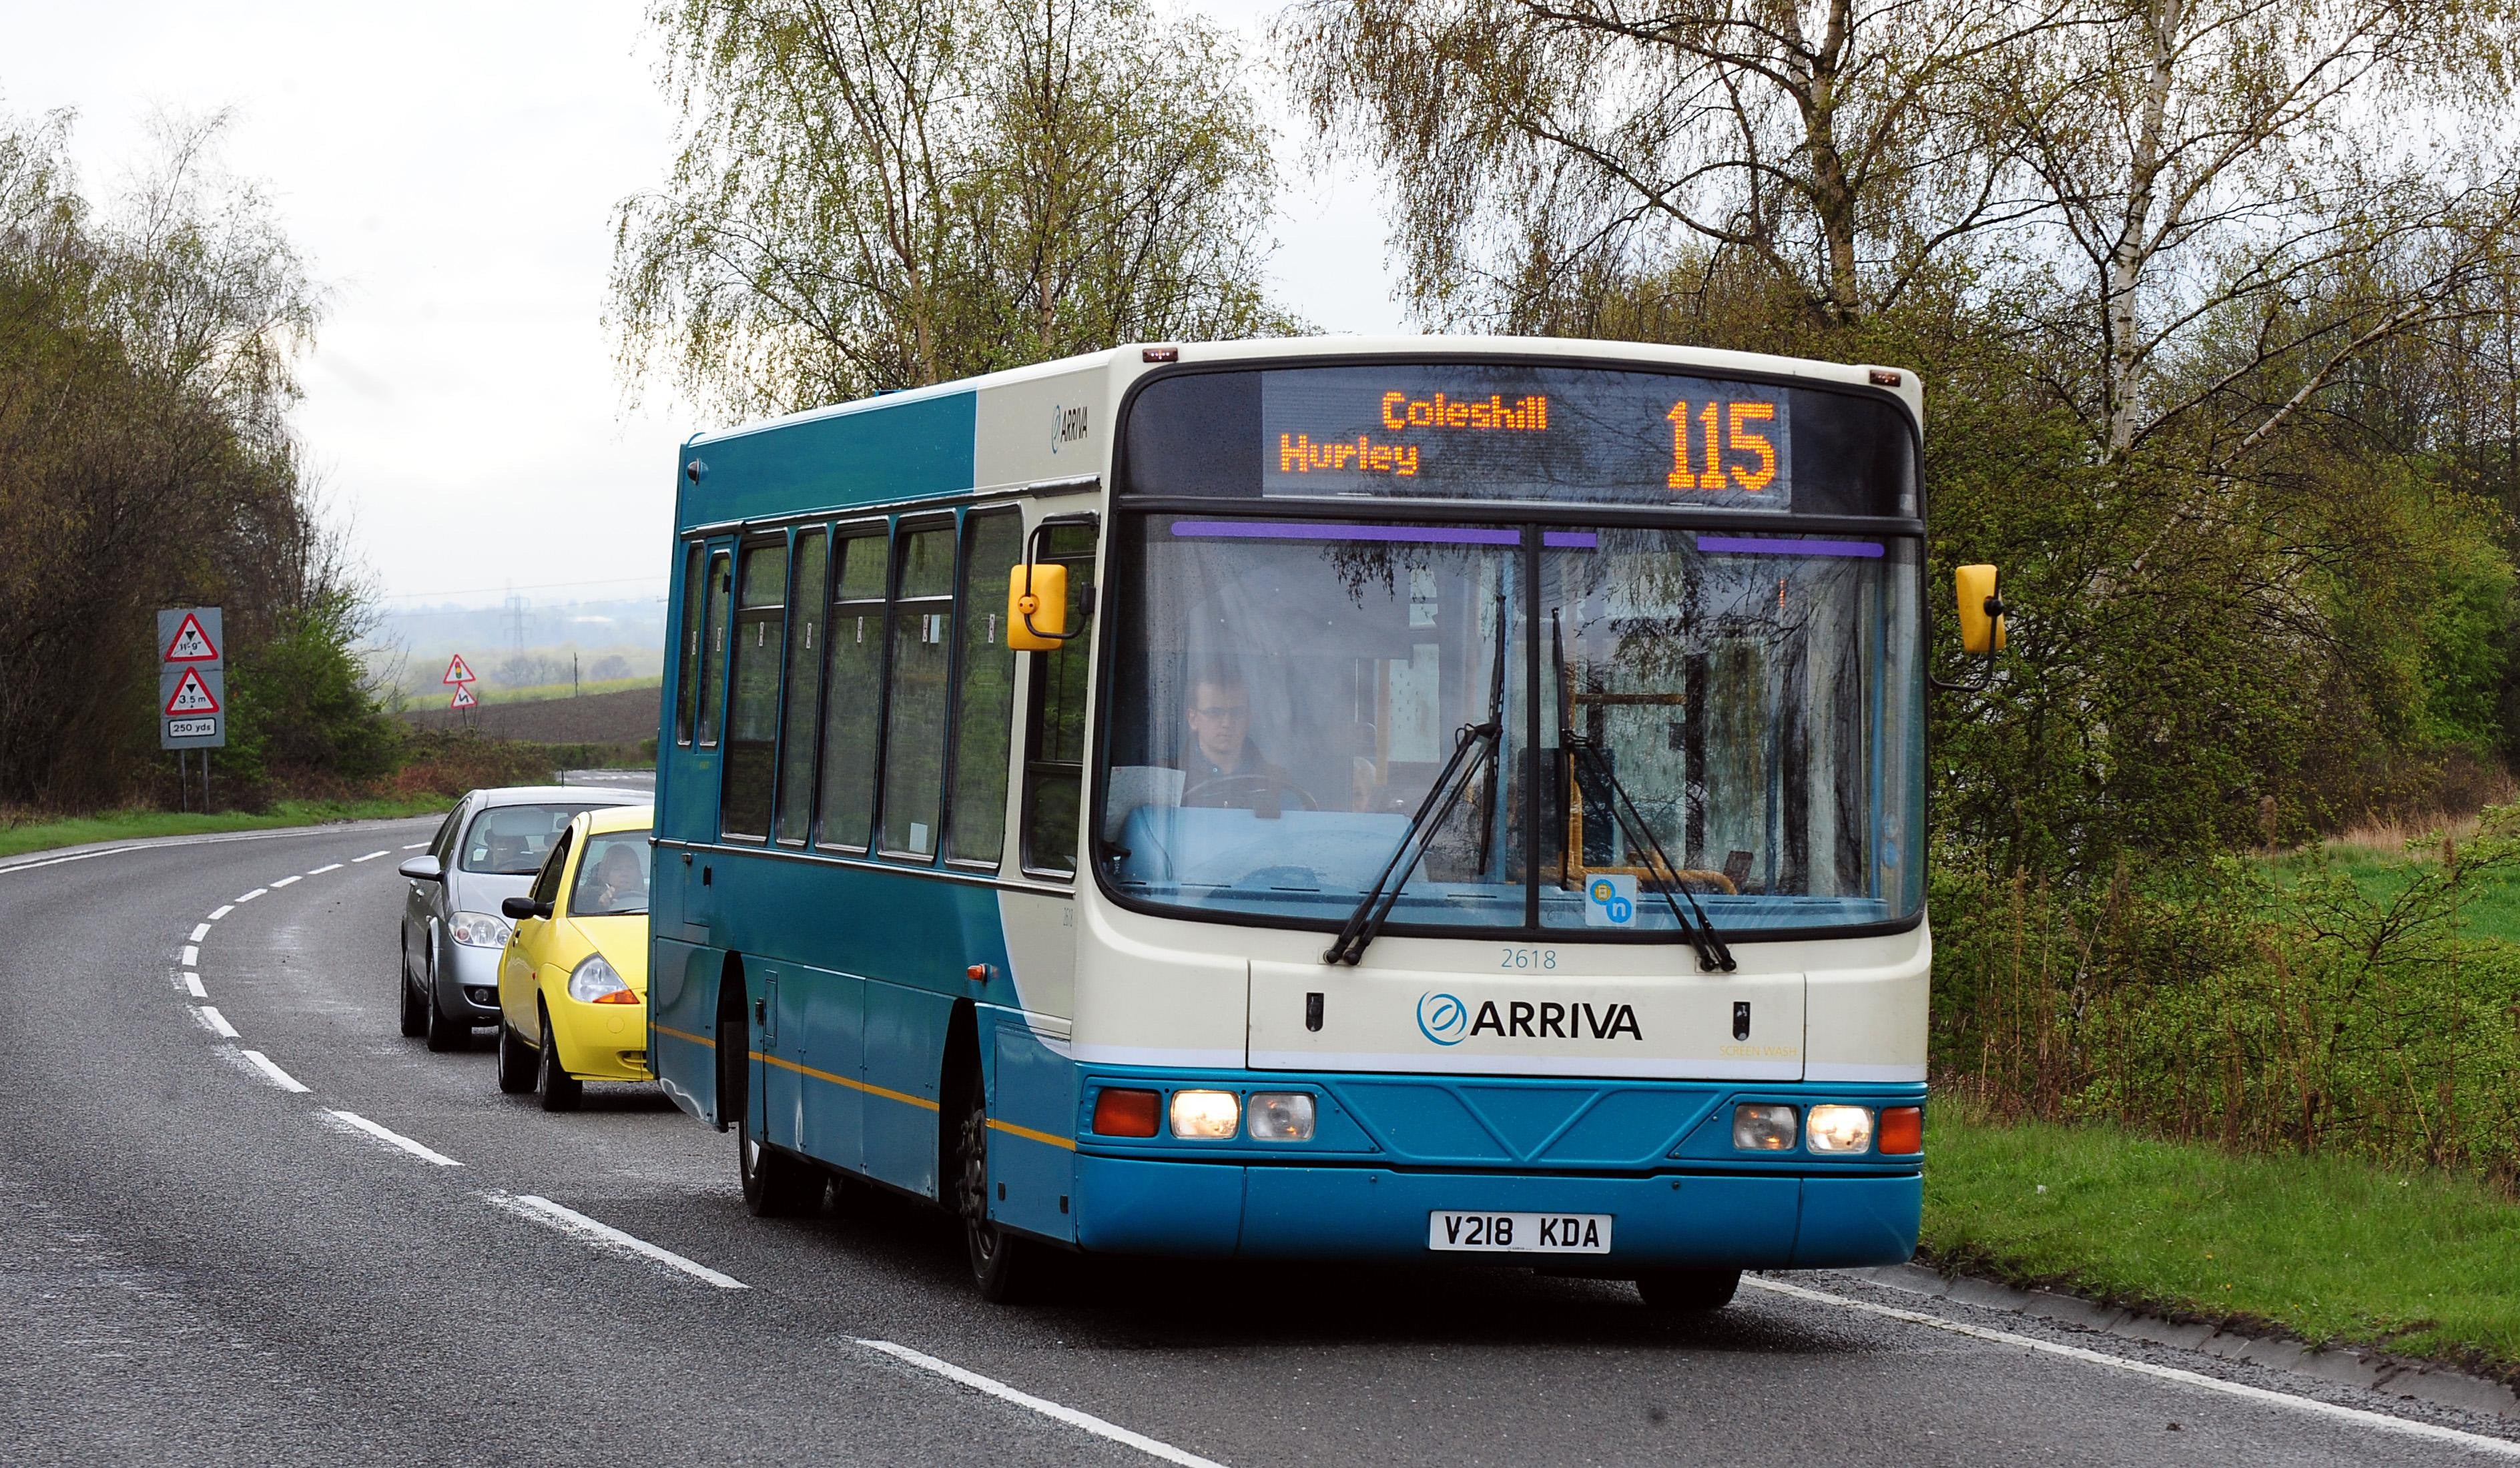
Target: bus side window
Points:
(687, 669)
(805, 616)
(1054, 725)
(752, 723)
(917, 688)
(975, 824)
(713, 649)
(853, 689)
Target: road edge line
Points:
(2362, 1416)
(1087, 1421)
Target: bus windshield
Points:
(1736, 713)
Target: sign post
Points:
(191, 688)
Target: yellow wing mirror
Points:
(1981, 610)
(1036, 607)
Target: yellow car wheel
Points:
(560, 1089)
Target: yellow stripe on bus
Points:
(1029, 1135)
(686, 1035)
(851, 1082)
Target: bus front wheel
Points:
(777, 1184)
(1687, 1292)
(1006, 1266)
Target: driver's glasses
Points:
(1239, 713)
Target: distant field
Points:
(2494, 912)
(624, 716)
(542, 692)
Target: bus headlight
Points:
(1841, 1129)
(1282, 1116)
(1207, 1115)
(1763, 1127)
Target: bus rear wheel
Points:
(1006, 1266)
(1687, 1292)
(777, 1185)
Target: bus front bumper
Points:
(1729, 1220)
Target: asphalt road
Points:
(198, 1264)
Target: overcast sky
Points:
(450, 170)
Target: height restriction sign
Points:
(192, 679)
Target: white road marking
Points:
(284, 881)
(192, 956)
(221, 910)
(570, 1221)
(251, 896)
(209, 1014)
(84, 855)
(372, 855)
(201, 931)
(320, 870)
(273, 1073)
(1067, 1415)
(2309, 1405)
(414, 846)
(395, 1138)
(193, 986)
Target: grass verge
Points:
(124, 825)
(2323, 1249)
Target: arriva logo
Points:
(1066, 425)
(1443, 1018)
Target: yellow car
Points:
(573, 978)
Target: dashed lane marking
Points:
(193, 986)
(372, 855)
(393, 1138)
(604, 1235)
(2310, 1405)
(192, 955)
(1151, 1446)
(201, 932)
(320, 870)
(251, 896)
(273, 1073)
(210, 1015)
(221, 910)
(414, 846)
(284, 881)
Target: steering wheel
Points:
(1235, 791)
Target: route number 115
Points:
(1737, 438)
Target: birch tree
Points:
(880, 193)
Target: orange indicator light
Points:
(1903, 1130)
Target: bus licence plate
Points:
(1519, 1233)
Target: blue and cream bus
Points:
(1427, 798)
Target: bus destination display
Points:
(1506, 433)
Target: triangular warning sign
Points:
(458, 672)
(192, 695)
(463, 698)
(191, 644)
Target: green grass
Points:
(2327, 1249)
(124, 825)
(2492, 912)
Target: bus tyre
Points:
(516, 1060)
(560, 1089)
(777, 1185)
(415, 1019)
(1687, 1292)
(1006, 1266)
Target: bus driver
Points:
(1222, 767)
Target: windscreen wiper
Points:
(1474, 744)
(1713, 955)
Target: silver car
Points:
(487, 850)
